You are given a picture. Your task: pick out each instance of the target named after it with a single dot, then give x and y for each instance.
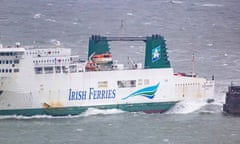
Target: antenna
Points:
(1, 46)
(122, 27)
(193, 65)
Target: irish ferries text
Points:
(92, 94)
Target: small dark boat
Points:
(232, 101)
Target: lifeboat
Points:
(102, 58)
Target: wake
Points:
(88, 113)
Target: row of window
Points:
(187, 84)
(10, 53)
(42, 52)
(56, 69)
(132, 83)
(16, 61)
(8, 70)
(121, 83)
(50, 61)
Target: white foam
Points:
(130, 14)
(21, 117)
(187, 106)
(209, 44)
(26, 117)
(147, 23)
(49, 4)
(79, 130)
(50, 20)
(176, 2)
(166, 140)
(94, 111)
(37, 16)
(210, 5)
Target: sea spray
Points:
(187, 106)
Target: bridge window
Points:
(65, 69)
(73, 68)
(3, 54)
(16, 70)
(16, 61)
(38, 70)
(58, 69)
(5, 70)
(48, 70)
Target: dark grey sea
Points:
(208, 28)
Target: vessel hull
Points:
(64, 111)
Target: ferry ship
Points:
(52, 81)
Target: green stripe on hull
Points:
(147, 107)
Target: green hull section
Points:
(145, 107)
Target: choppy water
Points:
(208, 28)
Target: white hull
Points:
(84, 89)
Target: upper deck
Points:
(60, 60)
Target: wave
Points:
(176, 2)
(200, 105)
(94, 111)
(89, 112)
(129, 14)
(40, 16)
(187, 106)
(210, 5)
(20, 117)
(147, 23)
(50, 20)
(37, 16)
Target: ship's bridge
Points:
(10, 59)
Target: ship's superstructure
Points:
(52, 81)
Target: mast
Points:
(193, 65)
(122, 28)
(1, 46)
